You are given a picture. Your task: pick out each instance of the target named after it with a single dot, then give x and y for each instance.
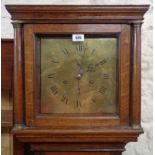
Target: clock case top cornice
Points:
(77, 13)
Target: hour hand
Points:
(80, 72)
(78, 63)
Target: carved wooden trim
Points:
(78, 135)
(78, 147)
(76, 13)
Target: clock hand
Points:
(78, 63)
(78, 77)
(78, 97)
(80, 74)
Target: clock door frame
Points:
(33, 118)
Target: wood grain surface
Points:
(85, 135)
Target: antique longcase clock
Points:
(76, 78)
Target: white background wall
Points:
(144, 145)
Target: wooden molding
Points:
(76, 13)
(77, 135)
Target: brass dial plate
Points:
(78, 77)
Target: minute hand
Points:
(78, 63)
(80, 67)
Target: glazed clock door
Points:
(71, 82)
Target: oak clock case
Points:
(76, 97)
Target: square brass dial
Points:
(78, 77)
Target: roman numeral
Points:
(91, 82)
(78, 104)
(91, 68)
(65, 51)
(66, 82)
(54, 89)
(64, 99)
(51, 76)
(106, 76)
(102, 62)
(79, 48)
(102, 90)
(55, 61)
(93, 51)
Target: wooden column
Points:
(136, 75)
(18, 96)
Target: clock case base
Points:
(108, 141)
(80, 142)
(71, 148)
